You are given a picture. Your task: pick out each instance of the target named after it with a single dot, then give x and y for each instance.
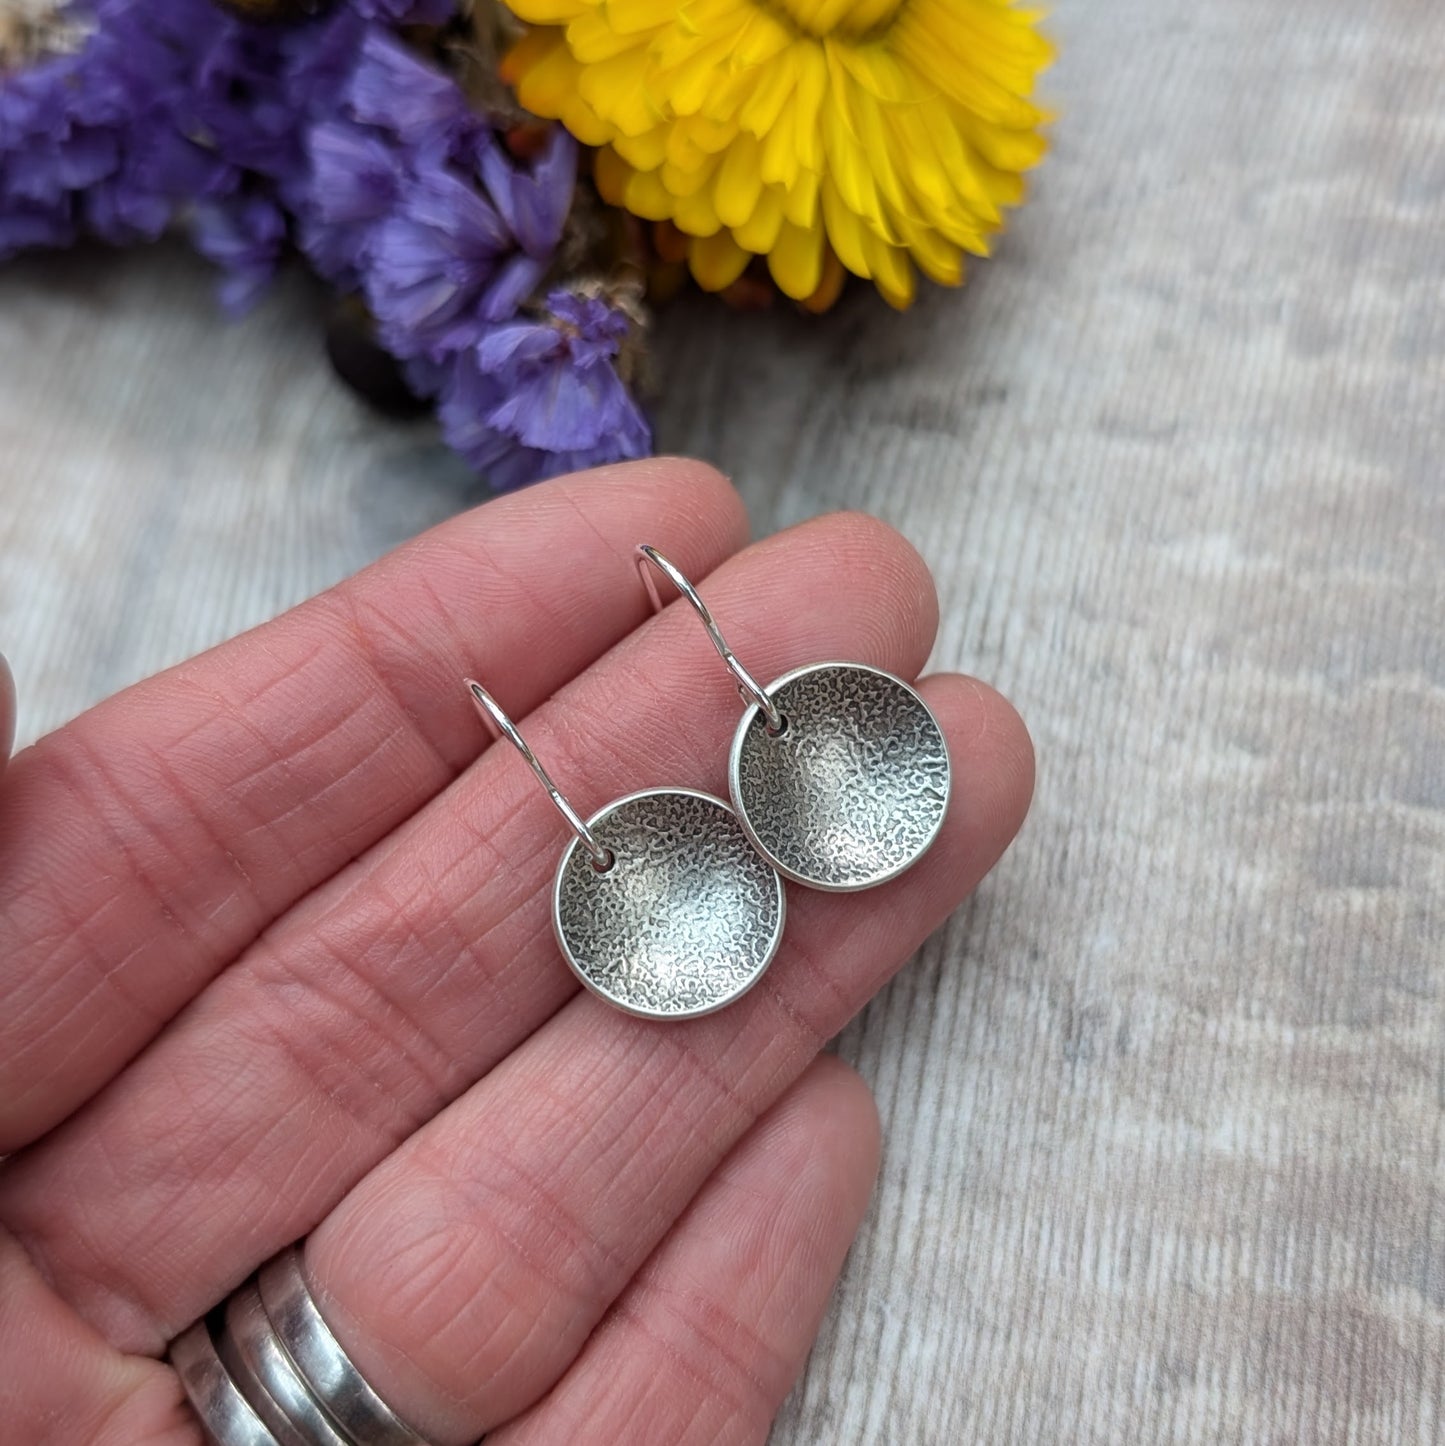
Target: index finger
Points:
(144, 845)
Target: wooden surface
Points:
(1164, 1104)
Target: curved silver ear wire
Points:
(748, 686)
(503, 727)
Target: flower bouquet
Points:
(501, 195)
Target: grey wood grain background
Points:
(1164, 1103)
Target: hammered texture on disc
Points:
(854, 789)
(685, 920)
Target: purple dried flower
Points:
(128, 205)
(452, 258)
(535, 398)
(52, 149)
(160, 106)
(354, 181)
(320, 58)
(24, 225)
(391, 183)
(244, 237)
(48, 149)
(534, 203)
(514, 280)
(48, 152)
(394, 88)
(233, 92)
(431, 261)
(163, 162)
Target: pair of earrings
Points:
(668, 903)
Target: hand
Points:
(275, 958)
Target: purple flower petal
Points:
(244, 237)
(320, 58)
(534, 204)
(432, 261)
(23, 226)
(355, 174)
(517, 345)
(120, 211)
(515, 280)
(533, 398)
(394, 88)
(406, 12)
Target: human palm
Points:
(275, 958)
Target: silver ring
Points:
(250, 1350)
(748, 686)
(322, 1361)
(265, 1370)
(495, 717)
(224, 1412)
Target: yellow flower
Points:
(880, 132)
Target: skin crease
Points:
(275, 960)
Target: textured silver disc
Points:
(685, 920)
(854, 789)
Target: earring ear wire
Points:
(501, 726)
(749, 689)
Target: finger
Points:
(60, 1382)
(399, 983)
(148, 842)
(467, 1270)
(707, 1339)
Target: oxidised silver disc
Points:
(687, 918)
(853, 791)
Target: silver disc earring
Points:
(661, 905)
(839, 772)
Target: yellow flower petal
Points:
(800, 205)
(738, 182)
(796, 260)
(583, 121)
(543, 71)
(646, 196)
(549, 12)
(591, 39)
(687, 183)
(546, 82)
(939, 260)
(830, 288)
(695, 214)
(717, 261)
(646, 151)
(611, 175)
(892, 274)
(628, 17)
(617, 91)
(530, 51)
(870, 136)
(760, 113)
(759, 233)
(845, 230)
(808, 99)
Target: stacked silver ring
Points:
(265, 1370)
